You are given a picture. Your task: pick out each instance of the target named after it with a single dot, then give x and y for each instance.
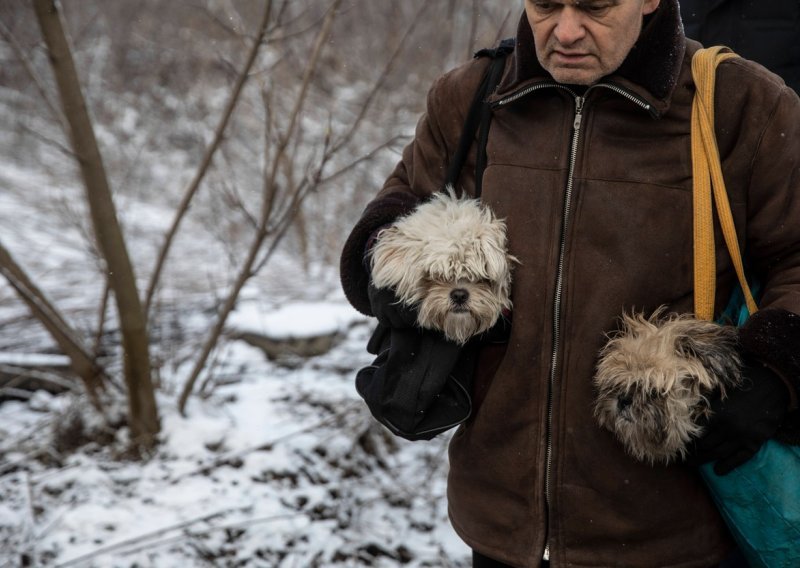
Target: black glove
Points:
(389, 310)
(420, 383)
(741, 423)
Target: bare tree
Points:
(143, 413)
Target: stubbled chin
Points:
(573, 75)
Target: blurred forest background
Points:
(163, 162)
(267, 124)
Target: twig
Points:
(473, 27)
(347, 136)
(194, 185)
(36, 374)
(361, 159)
(37, 81)
(30, 537)
(9, 465)
(270, 190)
(176, 538)
(145, 536)
(47, 140)
(265, 446)
(82, 362)
(501, 29)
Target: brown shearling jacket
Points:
(596, 190)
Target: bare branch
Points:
(194, 185)
(49, 141)
(361, 159)
(82, 362)
(101, 318)
(80, 560)
(37, 81)
(347, 136)
(246, 271)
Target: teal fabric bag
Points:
(760, 502)
(760, 499)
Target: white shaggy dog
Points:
(653, 378)
(448, 257)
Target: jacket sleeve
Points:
(420, 172)
(772, 335)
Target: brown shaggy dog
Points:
(653, 378)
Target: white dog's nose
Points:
(459, 296)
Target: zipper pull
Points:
(576, 124)
(546, 555)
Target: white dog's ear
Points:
(491, 244)
(715, 346)
(394, 260)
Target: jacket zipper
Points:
(576, 130)
(573, 155)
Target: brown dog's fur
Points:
(653, 377)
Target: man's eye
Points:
(544, 7)
(595, 8)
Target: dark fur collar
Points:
(652, 66)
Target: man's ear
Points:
(650, 6)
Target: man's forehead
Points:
(579, 3)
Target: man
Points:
(766, 32)
(589, 163)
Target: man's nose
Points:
(570, 26)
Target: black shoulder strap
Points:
(479, 115)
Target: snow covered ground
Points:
(278, 467)
(277, 464)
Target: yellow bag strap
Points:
(707, 173)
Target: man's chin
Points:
(575, 75)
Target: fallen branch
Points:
(266, 446)
(145, 536)
(237, 524)
(81, 361)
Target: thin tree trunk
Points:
(143, 413)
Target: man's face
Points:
(580, 41)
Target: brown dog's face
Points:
(652, 380)
(655, 425)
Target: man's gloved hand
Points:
(741, 422)
(389, 310)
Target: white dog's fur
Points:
(653, 378)
(448, 257)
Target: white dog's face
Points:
(460, 309)
(653, 378)
(448, 258)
